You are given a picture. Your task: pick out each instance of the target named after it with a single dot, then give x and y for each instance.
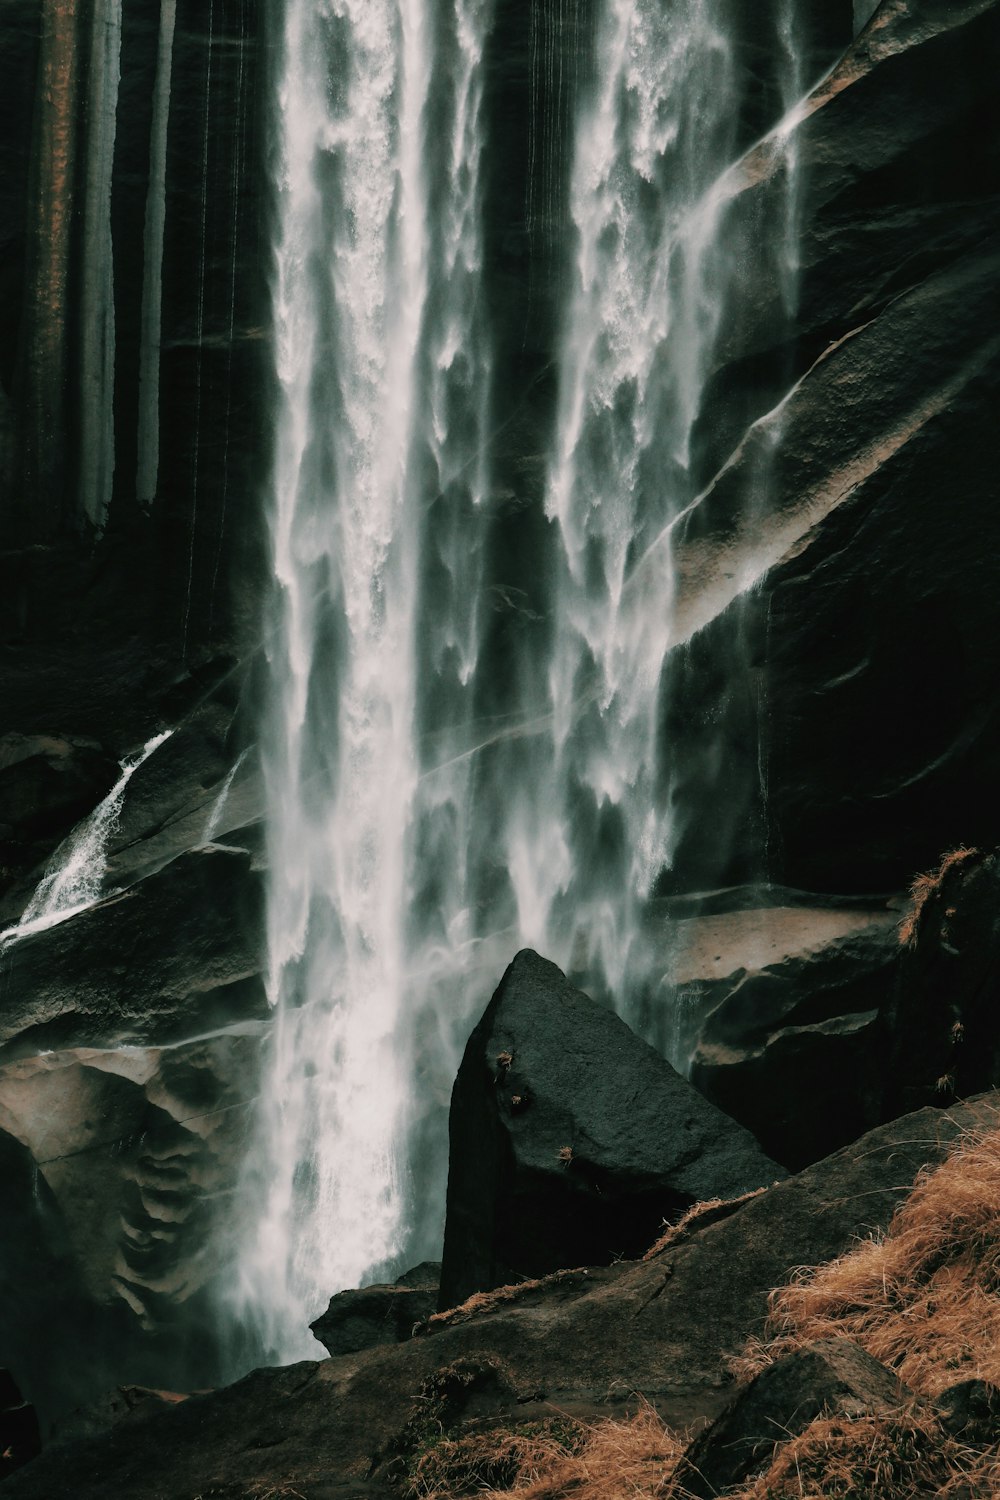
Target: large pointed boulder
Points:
(572, 1141)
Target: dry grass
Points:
(481, 1303)
(925, 1299)
(698, 1216)
(877, 1458)
(615, 1460)
(925, 887)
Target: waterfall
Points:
(649, 288)
(378, 450)
(440, 790)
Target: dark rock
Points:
(944, 1019)
(47, 782)
(828, 1377)
(176, 954)
(970, 1410)
(572, 1140)
(835, 709)
(108, 1410)
(662, 1329)
(423, 1277)
(370, 1315)
(19, 1436)
(792, 1048)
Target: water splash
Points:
(649, 291)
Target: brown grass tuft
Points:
(617, 1460)
(481, 1303)
(927, 885)
(876, 1458)
(699, 1215)
(925, 1299)
(490, 1460)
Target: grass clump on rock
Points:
(924, 1299)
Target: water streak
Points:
(76, 873)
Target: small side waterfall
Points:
(438, 799)
(76, 874)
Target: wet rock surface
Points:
(793, 1048)
(662, 1328)
(839, 658)
(572, 1140)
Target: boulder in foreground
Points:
(572, 1141)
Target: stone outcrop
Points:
(790, 1043)
(572, 1141)
(366, 1316)
(944, 1031)
(830, 1377)
(662, 1328)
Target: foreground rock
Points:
(830, 1376)
(572, 1141)
(661, 1328)
(366, 1316)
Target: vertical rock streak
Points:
(97, 301)
(54, 200)
(152, 281)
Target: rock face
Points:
(833, 704)
(792, 1045)
(661, 1328)
(19, 1436)
(831, 1377)
(572, 1140)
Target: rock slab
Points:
(827, 1376)
(363, 1317)
(572, 1141)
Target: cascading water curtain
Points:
(374, 312)
(649, 286)
(429, 814)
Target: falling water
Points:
(75, 877)
(378, 449)
(433, 806)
